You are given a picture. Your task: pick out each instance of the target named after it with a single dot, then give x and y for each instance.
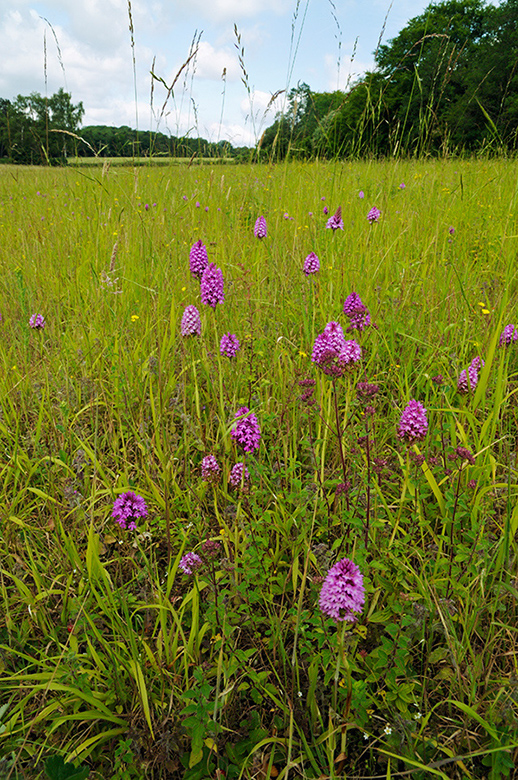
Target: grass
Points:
(115, 660)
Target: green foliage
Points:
(446, 84)
(113, 657)
(57, 769)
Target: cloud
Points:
(234, 10)
(210, 63)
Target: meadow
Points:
(195, 645)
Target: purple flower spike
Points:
(361, 194)
(191, 322)
(238, 475)
(260, 229)
(190, 562)
(246, 431)
(326, 210)
(127, 508)
(402, 185)
(353, 305)
(229, 345)
(373, 215)
(357, 312)
(311, 264)
(211, 286)
(332, 353)
(210, 469)
(198, 259)
(451, 230)
(37, 321)
(336, 222)
(413, 425)
(509, 334)
(343, 595)
(468, 380)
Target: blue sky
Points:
(86, 48)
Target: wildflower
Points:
(451, 230)
(238, 475)
(197, 204)
(210, 469)
(468, 380)
(465, 454)
(211, 286)
(508, 335)
(366, 391)
(361, 194)
(311, 264)
(210, 549)
(190, 562)
(37, 322)
(413, 425)
(357, 312)
(373, 215)
(326, 210)
(332, 353)
(336, 222)
(198, 259)
(191, 322)
(246, 431)
(229, 345)
(260, 229)
(438, 380)
(402, 185)
(342, 593)
(387, 730)
(127, 508)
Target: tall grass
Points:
(111, 656)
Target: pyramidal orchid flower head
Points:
(211, 286)
(332, 353)
(260, 229)
(127, 508)
(210, 469)
(357, 312)
(198, 259)
(413, 425)
(191, 322)
(361, 194)
(246, 431)
(373, 215)
(37, 322)
(342, 596)
(238, 475)
(229, 345)
(468, 380)
(336, 222)
(508, 335)
(311, 264)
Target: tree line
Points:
(447, 83)
(38, 130)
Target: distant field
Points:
(209, 640)
(149, 161)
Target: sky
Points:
(244, 52)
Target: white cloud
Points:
(234, 10)
(210, 63)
